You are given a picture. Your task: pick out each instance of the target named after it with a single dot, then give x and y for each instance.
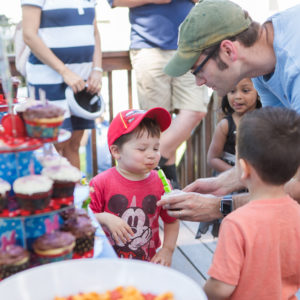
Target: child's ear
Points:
(245, 168)
(114, 150)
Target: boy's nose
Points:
(151, 154)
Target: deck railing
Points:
(193, 162)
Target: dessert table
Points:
(102, 247)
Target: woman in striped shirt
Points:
(65, 51)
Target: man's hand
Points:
(226, 183)
(203, 185)
(192, 206)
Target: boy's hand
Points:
(163, 257)
(120, 230)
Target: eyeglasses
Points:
(197, 70)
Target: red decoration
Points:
(7, 122)
(55, 204)
(88, 254)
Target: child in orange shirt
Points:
(258, 251)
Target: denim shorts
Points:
(77, 123)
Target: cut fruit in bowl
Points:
(62, 279)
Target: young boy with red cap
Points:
(124, 197)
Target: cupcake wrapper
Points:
(3, 201)
(42, 131)
(84, 244)
(63, 189)
(7, 270)
(46, 124)
(34, 202)
(49, 259)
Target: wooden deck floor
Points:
(192, 256)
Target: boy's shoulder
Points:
(264, 209)
(104, 175)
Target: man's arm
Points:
(197, 207)
(135, 3)
(225, 183)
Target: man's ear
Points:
(114, 150)
(245, 168)
(229, 50)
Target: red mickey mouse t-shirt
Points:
(135, 203)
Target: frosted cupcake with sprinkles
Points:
(53, 160)
(43, 120)
(33, 192)
(54, 246)
(13, 258)
(65, 178)
(5, 188)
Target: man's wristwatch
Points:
(226, 205)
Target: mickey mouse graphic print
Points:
(135, 203)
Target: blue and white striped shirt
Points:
(67, 29)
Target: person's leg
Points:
(70, 148)
(191, 102)
(179, 131)
(153, 85)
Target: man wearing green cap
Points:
(153, 41)
(221, 45)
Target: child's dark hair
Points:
(269, 139)
(227, 109)
(148, 125)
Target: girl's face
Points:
(139, 155)
(243, 97)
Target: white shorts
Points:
(155, 88)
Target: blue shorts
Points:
(77, 123)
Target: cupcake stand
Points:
(17, 159)
(22, 227)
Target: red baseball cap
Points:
(127, 120)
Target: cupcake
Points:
(5, 188)
(54, 246)
(65, 177)
(33, 192)
(23, 105)
(73, 212)
(80, 225)
(12, 260)
(53, 160)
(43, 120)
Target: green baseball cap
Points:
(208, 23)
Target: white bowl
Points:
(86, 275)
